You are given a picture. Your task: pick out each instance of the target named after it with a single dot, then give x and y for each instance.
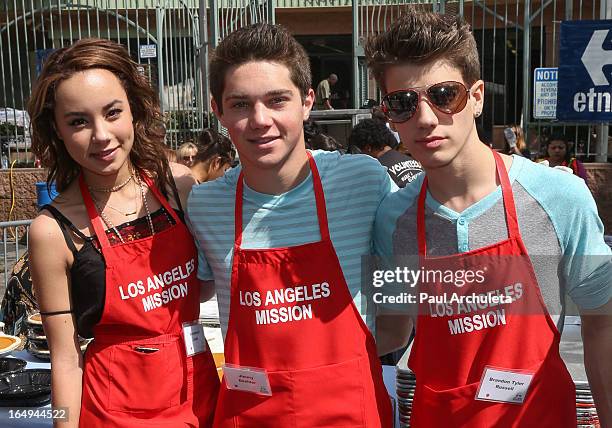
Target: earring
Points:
(477, 114)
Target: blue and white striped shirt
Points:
(354, 186)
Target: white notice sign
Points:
(148, 51)
(545, 93)
(504, 386)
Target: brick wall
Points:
(599, 176)
(24, 180)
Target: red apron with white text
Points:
(136, 371)
(456, 341)
(291, 313)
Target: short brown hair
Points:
(420, 37)
(148, 150)
(259, 42)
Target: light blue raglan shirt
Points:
(354, 186)
(557, 218)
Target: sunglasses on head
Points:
(448, 97)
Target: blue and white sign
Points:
(148, 51)
(585, 71)
(545, 93)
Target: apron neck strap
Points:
(508, 198)
(162, 200)
(510, 207)
(421, 237)
(93, 214)
(319, 199)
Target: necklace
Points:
(129, 213)
(110, 224)
(146, 205)
(107, 221)
(112, 189)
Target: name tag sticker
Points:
(504, 386)
(195, 342)
(247, 379)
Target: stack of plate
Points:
(209, 313)
(37, 341)
(405, 385)
(29, 388)
(11, 365)
(585, 406)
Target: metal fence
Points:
(513, 38)
(163, 36)
(14, 244)
(170, 40)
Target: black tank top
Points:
(88, 272)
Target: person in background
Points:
(111, 258)
(558, 155)
(323, 93)
(311, 129)
(215, 156)
(378, 114)
(324, 142)
(185, 154)
(281, 239)
(491, 217)
(372, 137)
(515, 142)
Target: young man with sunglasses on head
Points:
(282, 237)
(495, 362)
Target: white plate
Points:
(33, 321)
(10, 347)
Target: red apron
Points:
(454, 343)
(136, 371)
(319, 355)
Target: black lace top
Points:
(88, 280)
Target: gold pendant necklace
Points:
(129, 213)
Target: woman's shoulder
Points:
(182, 177)
(45, 235)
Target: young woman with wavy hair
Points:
(111, 257)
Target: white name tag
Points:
(504, 386)
(247, 379)
(195, 342)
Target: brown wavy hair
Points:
(422, 37)
(259, 42)
(148, 150)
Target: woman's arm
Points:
(50, 261)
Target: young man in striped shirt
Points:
(282, 238)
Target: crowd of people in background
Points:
(213, 153)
